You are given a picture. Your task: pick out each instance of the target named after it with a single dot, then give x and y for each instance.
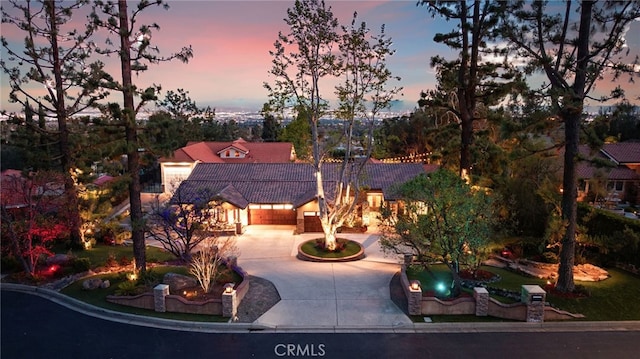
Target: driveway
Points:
(347, 294)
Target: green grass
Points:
(99, 254)
(98, 296)
(350, 249)
(613, 299)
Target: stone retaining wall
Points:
(419, 305)
(173, 303)
(179, 304)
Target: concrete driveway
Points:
(350, 294)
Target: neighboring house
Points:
(285, 193)
(18, 192)
(620, 181)
(178, 167)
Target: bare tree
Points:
(185, 221)
(205, 264)
(135, 52)
(304, 60)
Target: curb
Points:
(415, 328)
(127, 318)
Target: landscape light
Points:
(440, 287)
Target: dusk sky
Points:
(231, 42)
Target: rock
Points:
(92, 283)
(177, 282)
(105, 284)
(59, 259)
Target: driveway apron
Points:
(348, 294)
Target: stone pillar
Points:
(415, 298)
(534, 297)
(481, 295)
(160, 292)
(229, 301)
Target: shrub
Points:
(111, 260)
(125, 261)
(81, 264)
(128, 288)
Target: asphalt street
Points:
(34, 327)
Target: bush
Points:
(80, 265)
(129, 288)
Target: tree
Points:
(470, 84)
(28, 210)
(205, 264)
(57, 56)
(442, 219)
(270, 125)
(134, 51)
(573, 52)
(314, 52)
(184, 222)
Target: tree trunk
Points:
(133, 160)
(569, 204)
(63, 134)
(571, 113)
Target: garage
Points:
(312, 222)
(271, 214)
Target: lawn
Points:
(615, 298)
(99, 254)
(310, 248)
(98, 296)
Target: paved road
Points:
(34, 327)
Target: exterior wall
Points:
(232, 153)
(172, 173)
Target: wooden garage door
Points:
(312, 223)
(272, 216)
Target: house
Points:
(18, 192)
(178, 167)
(285, 193)
(620, 180)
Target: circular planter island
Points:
(313, 251)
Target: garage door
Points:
(312, 222)
(272, 216)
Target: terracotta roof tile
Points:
(257, 152)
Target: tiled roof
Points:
(257, 152)
(291, 183)
(618, 171)
(623, 152)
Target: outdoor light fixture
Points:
(440, 287)
(228, 288)
(415, 285)
(132, 276)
